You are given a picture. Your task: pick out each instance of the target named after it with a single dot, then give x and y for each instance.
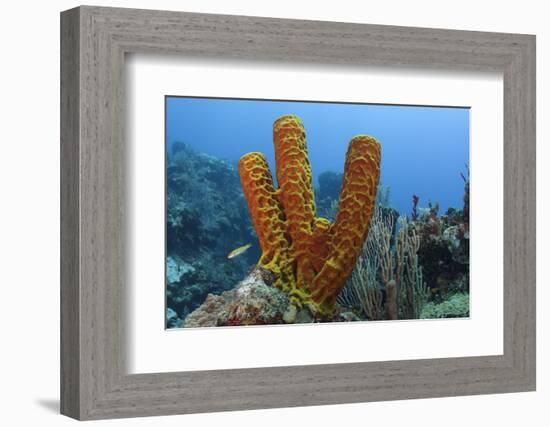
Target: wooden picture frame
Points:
(94, 382)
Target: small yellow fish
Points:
(240, 250)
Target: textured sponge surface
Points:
(310, 257)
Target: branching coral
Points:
(399, 267)
(363, 292)
(311, 257)
(388, 265)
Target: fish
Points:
(239, 251)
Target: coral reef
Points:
(444, 250)
(311, 257)
(322, 255)
(206, 217)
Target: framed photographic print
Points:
(338, 246)
(288, 212)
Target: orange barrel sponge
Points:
(352, 222)
(296, 191)
(267, 216)
(311, 258)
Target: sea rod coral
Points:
(310, 257)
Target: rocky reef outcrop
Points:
(254, 301)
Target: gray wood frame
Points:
(94, 41)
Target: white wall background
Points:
(29, 224)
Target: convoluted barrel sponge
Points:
(310, 257)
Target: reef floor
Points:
(255, 302)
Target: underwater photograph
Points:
(285, 212)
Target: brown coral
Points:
(311, 258)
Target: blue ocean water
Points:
(424, 149)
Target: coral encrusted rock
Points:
(252, 302)
(255, 302)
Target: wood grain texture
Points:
(70, 314)
(94, 382)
